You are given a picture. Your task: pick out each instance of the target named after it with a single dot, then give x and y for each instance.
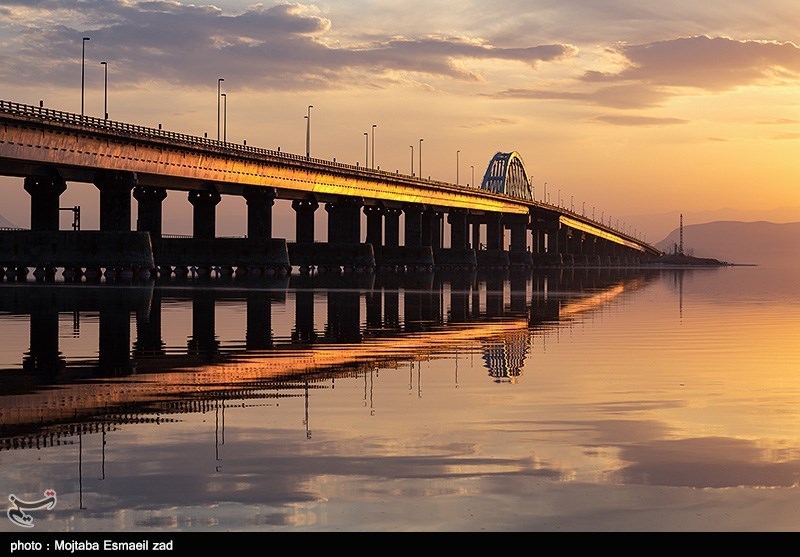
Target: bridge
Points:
(49, 148)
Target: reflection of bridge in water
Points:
(342, 327)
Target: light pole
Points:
(219, 100)
(105, 89)
(420, 158)
(366, 149)
(545, 193)
(457, 154)
(412, 159)
(308, 131)
(571, 204)
(224, 117)
(472, 168)
(373, 144)
(83, 71)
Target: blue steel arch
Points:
(506, 174)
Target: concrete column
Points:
(519, 230)
(494, 231)
(432, 229)
(115, 199)
(374, 225)
(476, 235)
(205, 213)
(259, 211)
(149, 214)
(458, 228)
(563, 240)
(392, 227)
(304, 220)
(413, 214)
(334, 226)
(44, 192)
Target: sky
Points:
(632, 110)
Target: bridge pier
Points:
(374, 215)
(344, 220)
(518, 250)
(150, 210)
(413, 231)
(45, 193)
(392, 226)
(457, 218)
(304, 219)
(204, 218)
(115, 199)
(259, 211)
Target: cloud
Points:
(286, 46)
(709, 63)
(616, 96)
(628, 120)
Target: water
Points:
(567, 401)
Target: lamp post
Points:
(472, 168)
(366, 149)
(420, 158)
(457, 154)
(308, 131)
(219, 100)
(83, 71)
(224, 117)
(545, 193)
(105, 89)
(373, 144)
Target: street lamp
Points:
(308, 131)
(420, 158)
(473, 174)
(412, 159)
(83, 71)
(105, 89)
(366, 149)
(224, 117)
(457, 153)
(373, 144)
(545, 193)
(219, 99)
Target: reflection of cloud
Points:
(705, 462)
(710, 63)
(280, 47)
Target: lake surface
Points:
(574, 400)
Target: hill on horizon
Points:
(760, 242)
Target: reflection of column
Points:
(459, 297)
(494, 294)
(374, 310)
(43, 357)
(412, 310)
(304, 220)
(115, 199)
(114, 338)
(150, 210)
(205, 213)
(148, 327)
(392, 227)
(204, 339)
(304, 316)
(344, 316)
(259, 211)
(259, 320)
(413, 219)
(44, 192)
(518, 283)
(391, 308)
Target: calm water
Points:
(570, 401)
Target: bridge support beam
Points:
(204, 221)
(259, 211)
(115, 199)
(458, 229)
(431, 229)
(518, 250)
(494, 231)
(374, 226)
(413, 232)
(344, 220)
(149, 211)
(391, 227)
(45, 193)
(304, 219)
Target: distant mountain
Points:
(762, 243)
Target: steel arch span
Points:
(506, 174)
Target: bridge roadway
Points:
(49, 148)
